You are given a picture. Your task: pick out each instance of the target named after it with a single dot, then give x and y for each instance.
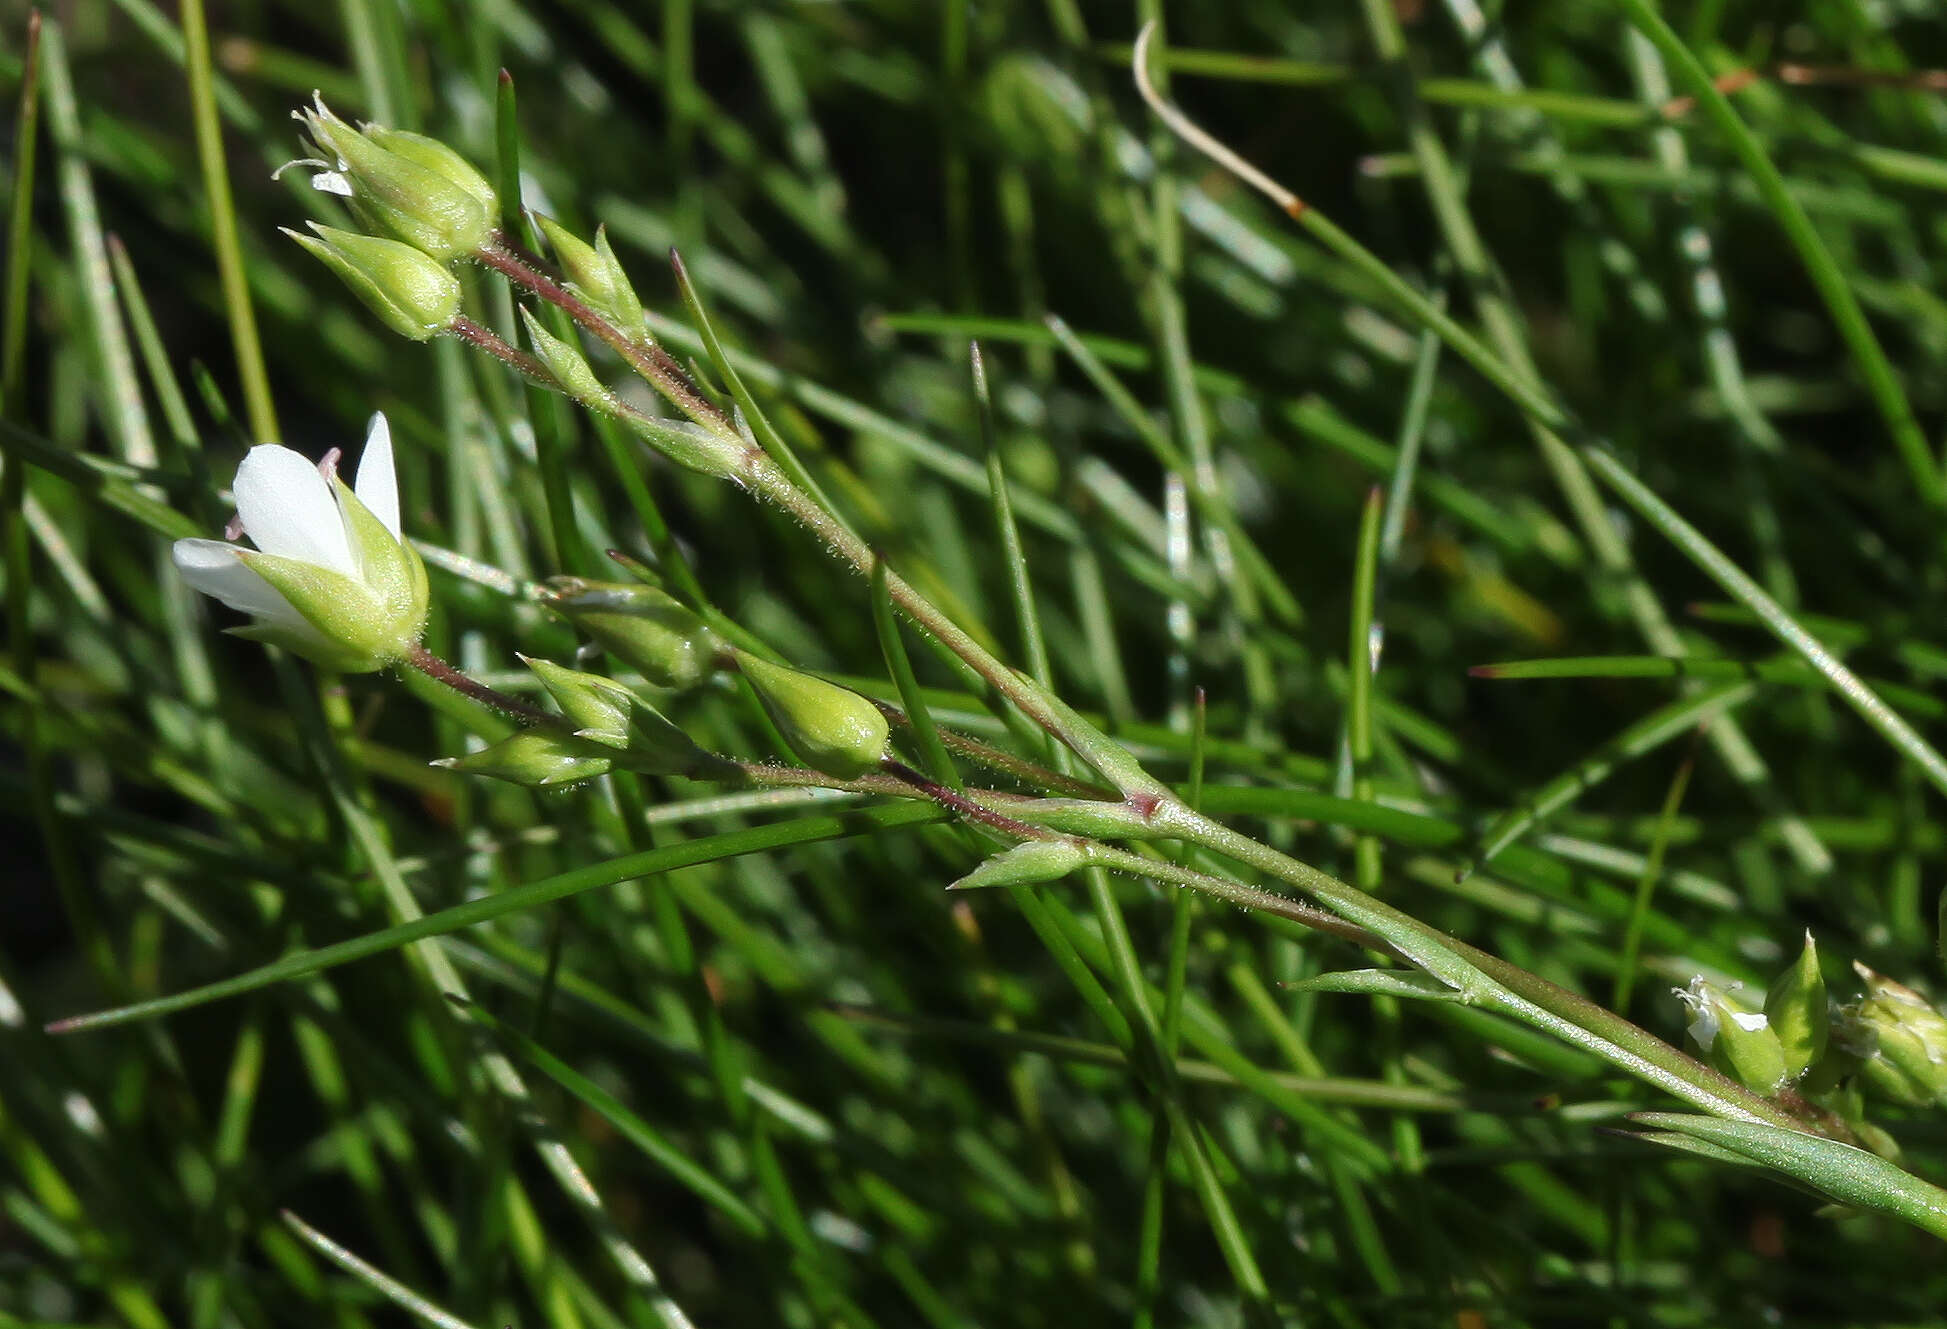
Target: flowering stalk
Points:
(1150, 807)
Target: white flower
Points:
(332, 578)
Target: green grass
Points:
(1509, 365)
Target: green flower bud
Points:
(641, 626)
(424, 195)
(598, 707)
(1738, 1040)
(565, 362)
(410, 293)
(1907, 1038)
(435, 156)
(539, 758)
(608, 714)
(834, 729)
(1026, 864)
(595, 274)
(1796, 1007)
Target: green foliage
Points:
(1522, 371)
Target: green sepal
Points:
(607, 713)
(340, 607)
(411, 294)
(642, 626)
(1908, 1037)
(1737, 1039)
(598, 707)
(435, 156)
(1797, 1009)
(596, 275)
(390, 567)
(540, 758)
(565, 362)
(1746, 1048)
(417, 202)
(1026, 864)
(834, 729)
(310, 646)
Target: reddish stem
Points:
(441, 672)
(647, 358)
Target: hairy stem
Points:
(467, 686)
(1524, 995)
(498, 347)
(1483, 978)
(644, 356)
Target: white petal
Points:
(288, 509)
(377, 485)
(212, 567)
(331, 182)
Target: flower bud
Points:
(1908, 1041)
(435, 156)
(565, 362)
(1026, 864)
(834, 729)
(410, 293)
(419, 190)
(596, 275)
(641, 626)
(608, 714)
(539, 758)
(598, 707)
(1796, 1007)
(1738, 1040)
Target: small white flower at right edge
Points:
(332, 578)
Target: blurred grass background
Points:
(806, 1085)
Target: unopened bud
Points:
(414, 187)
(540, 758)
(606, 713)
(834, 729)
(565, 362)
(1026, 864)
(435, 156)
(595, 274)
(1796, 1007)
(1908, 1041)
(411, 294)
(641, 626)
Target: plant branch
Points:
(467, 686)
(644, 356)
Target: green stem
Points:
(1508, 988)
(1483, 978)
